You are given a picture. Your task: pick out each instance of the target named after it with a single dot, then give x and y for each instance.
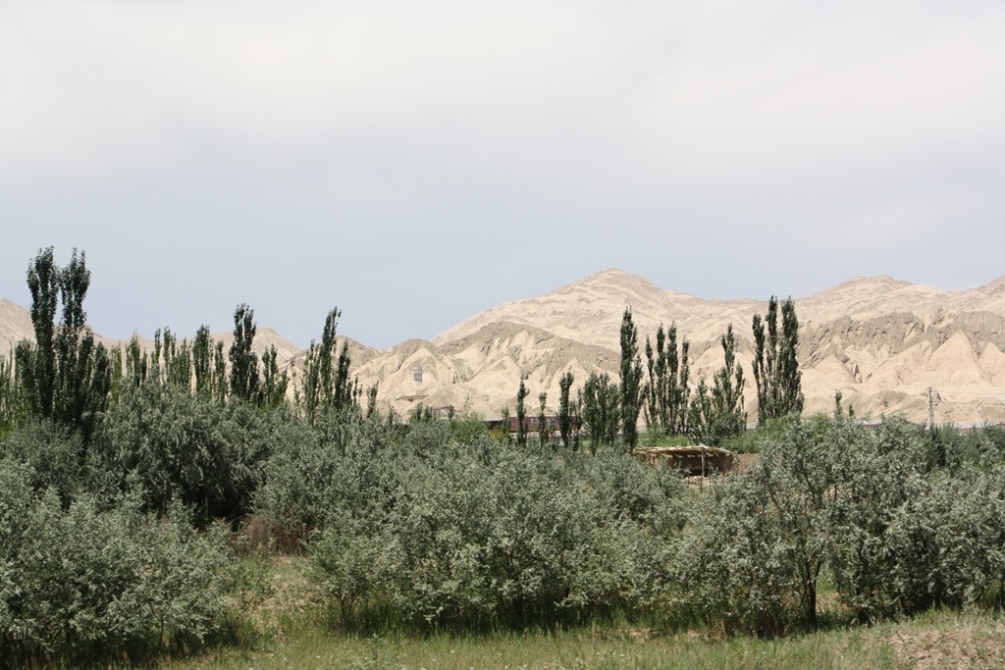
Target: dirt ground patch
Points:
(957, 645)
(742, 462)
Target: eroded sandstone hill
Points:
(882, 343)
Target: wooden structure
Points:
(693, 460)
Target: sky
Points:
(415, 163)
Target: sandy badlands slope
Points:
(881, 342)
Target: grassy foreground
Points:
(584, 649)
(936, 641)
(291, 633)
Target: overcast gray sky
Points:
(415, 163)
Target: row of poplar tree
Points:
(64, 376)
(608, 412)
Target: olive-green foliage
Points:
(947, 447)
(631, 380)
(926, 538)
(314, 474)
(521, 414)
(62, 376)
(776, 369)
(447, 533)
(799, 479)
(733, 568)
(175, 446)
(84, 583)
(496, 539)
(599, 400)
(829, 495)
(49, 451)
(666, 393)
(717, 414)
(326, 384)
(469, 429)
(566, 410)
(436, 525)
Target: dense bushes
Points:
(439, 532)
(80, 582)
(457, 534)
(178, 447)
(439, 526)
(99, 548)
(866, 507)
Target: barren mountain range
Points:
(882, 343)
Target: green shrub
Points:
(345, 466)
(51, 454)
(483, 536)
(899, 533)
(83, 583)
(469, 429)
(734, 567)
(435, 533)
(177, 447)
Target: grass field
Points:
(291, 633)
(934, 641)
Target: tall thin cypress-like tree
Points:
(243, 361)
(542, 418)
(521, 414)
(790, 377)
(666, 393)
(631, 380)
(599, 400)
(776, 368)
(36, 365)
(727, 415)
(326, 383)
(274, 381)
(565, 409)
(202, 361)
(63, 376)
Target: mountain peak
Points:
(869, 283)
(611, 280)
(612, 275)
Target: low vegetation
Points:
(170, 509)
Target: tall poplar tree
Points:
(776, 369)
(64, 376)
(37, 365)
(521, 414)
(565, 409)
(274, 381)
(326, 384)
(791, 394)
(667, 392)
(631, 380)
(727, 389)
(243, 361)
(542, 418)
(202, 361)
(599, 400)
